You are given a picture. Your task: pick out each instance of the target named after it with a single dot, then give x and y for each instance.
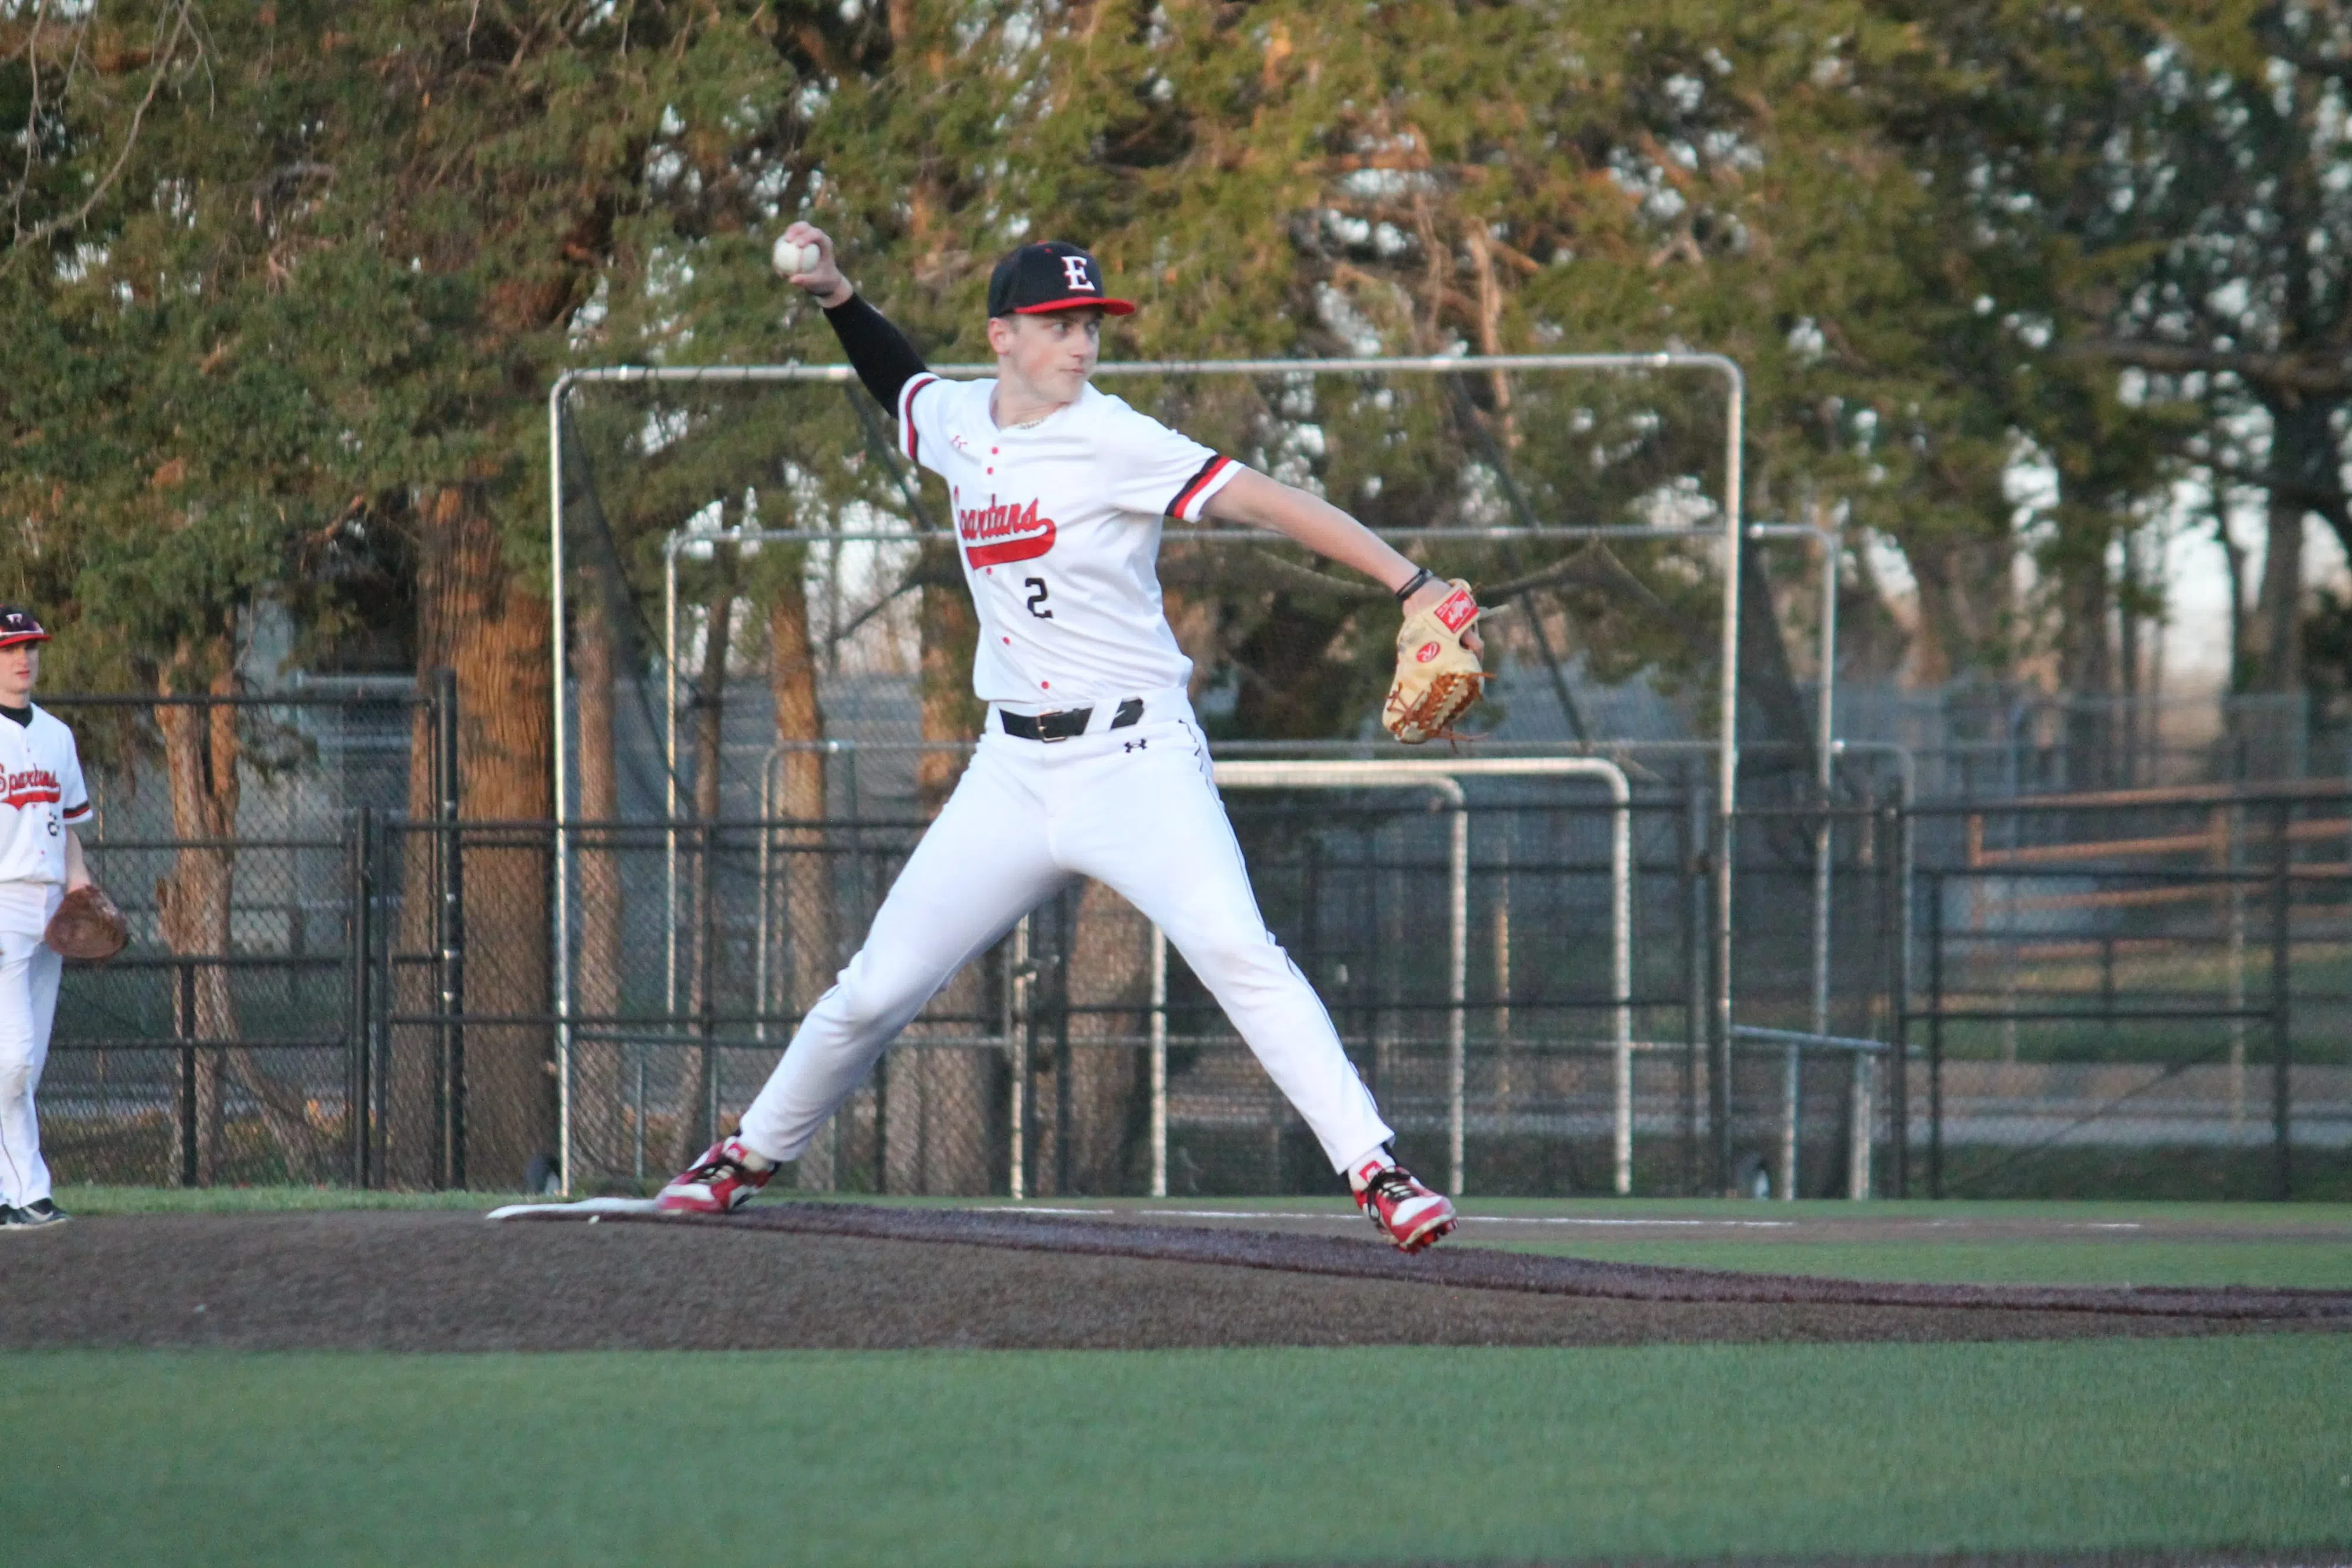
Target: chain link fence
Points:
(1034, 1070)
(2094, 994)
(217, 1047)
(2141, 991)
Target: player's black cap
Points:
(1049, 276)
(18, 626)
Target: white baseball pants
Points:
(1135, 810)
(29, 969)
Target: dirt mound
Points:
(853, 1277)
(1486, 1269)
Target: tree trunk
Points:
(2233, 556)
(2303, 461)
(1194, 616)
(602, 1133)
(951, 714)
(474, 617)
(695, 1129)
(811, 954)
(1110, 965)
(936, 1108)
(2276, 656)
(200, 753)
(2086, 665)
(1774, 707)
(1963, 586)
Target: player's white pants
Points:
(1134, 809)
(28, 1003)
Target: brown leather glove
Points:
(87, 927)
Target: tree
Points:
(2153, 189)
(178, 456)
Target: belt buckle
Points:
(1047, 733)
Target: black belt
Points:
(1069, 722)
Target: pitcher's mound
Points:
(793, 1276)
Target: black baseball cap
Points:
(1049, 276)
(18, 626)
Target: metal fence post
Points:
(361, 947)
(1895, 902)
(1935, 1035)
(1690, 831)
(1158, 1063)
(1020, 1031)
(1458, 979)
(2283, 998)
(382, 851)
(705, 978)
(1065, 919)
(188, 1129)
(1718, 1072)
(883, 1072)
(450, 928)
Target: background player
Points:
(40, 860)
(1091, 763)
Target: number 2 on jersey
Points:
(1037, 598)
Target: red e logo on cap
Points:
(1074, 269)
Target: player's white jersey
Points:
(41, 795)
(1058, 525)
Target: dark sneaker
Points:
(33, 1216)
(727, 1177)
(1399, 1208)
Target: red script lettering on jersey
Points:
(34, 787)
(1002, 532)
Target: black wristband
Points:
(1412, 584)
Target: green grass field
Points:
(2307, 1265)
(1234, 1457)
(1179, 1458)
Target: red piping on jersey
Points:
(1195, 485)
(76, 814)
(906, 412)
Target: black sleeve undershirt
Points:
(878, 351)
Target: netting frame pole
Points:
(1733, 532)
(1443, 776)
(560, 972)
(1727, 794)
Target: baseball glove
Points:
(87, 927)
(1437, 675)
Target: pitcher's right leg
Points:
(983, 864)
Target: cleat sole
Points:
(1423, 1239)
(688, 1206)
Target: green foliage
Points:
(279, 270)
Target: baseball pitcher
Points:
(1092, 763)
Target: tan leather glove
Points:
(1437, 675)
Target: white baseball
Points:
(789, 259)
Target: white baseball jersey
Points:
(1058, 528)
(44, 796)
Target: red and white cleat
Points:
(1399, 1208)
(727, 1177)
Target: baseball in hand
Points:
(790, 260)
